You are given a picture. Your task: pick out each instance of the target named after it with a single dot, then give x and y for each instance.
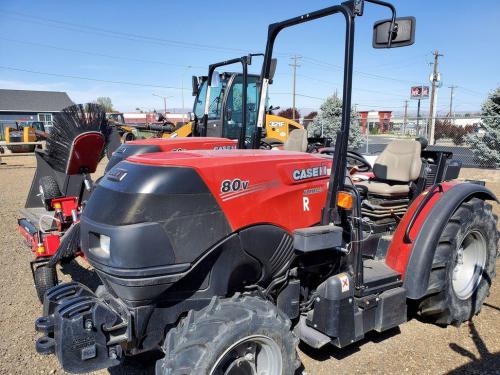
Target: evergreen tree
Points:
(327, 123)
(486, 146)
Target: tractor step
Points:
(343, 317)
(378, 277)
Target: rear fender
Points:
(413, 256)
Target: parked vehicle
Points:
(24, 135)
(224, 259)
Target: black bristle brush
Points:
(68, 247)
(68, 124)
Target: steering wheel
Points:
(265, 145)
(357, 160)
(262, 146)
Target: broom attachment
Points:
(77, 139)
(68, 247)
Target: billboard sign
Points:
(419, 92)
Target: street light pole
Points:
(182, 86)
(294, 66)
(164, 101)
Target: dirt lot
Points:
(417, 348)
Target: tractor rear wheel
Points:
(241, 335)
(49, 189)
(463, 266)
(45, 278)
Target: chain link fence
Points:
(450, 134)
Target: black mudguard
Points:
(420, 263)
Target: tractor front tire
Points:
(45, 278)
(239, 335)
(49, 189)
(464, 265)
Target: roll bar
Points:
(349, 10)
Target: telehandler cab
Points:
(224, 260)
(217, 116)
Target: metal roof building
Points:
(29, 105)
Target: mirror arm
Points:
(393, 28)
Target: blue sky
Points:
(155, 46)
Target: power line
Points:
(88, 78)
(117, 34)
(369, 75)
(482, 95)
(322, 99)
(98, 53)
(335, 85)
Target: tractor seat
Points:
(297, 141)
(395, 168)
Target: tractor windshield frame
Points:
(349, 10)
(245, 61)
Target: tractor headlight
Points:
(100, 245)
(104, 243)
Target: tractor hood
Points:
(151, 145)
(157, 214)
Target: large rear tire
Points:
(464, 265)
(240, 335)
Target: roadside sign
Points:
(419, 92)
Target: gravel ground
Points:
(415, 348)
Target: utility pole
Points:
(452, 88)
(435, 79)
(405, 118)
(294, 66)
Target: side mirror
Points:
(159, 117)
(272, 69)
(191, 116)
(215, 82)
(195, 84)
(402, 35)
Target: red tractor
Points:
(223, 260)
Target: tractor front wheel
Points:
(464, 265)
(45, 278)
(241, 335)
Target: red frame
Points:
(50, 242)
(68, 204)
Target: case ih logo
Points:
(313, 172)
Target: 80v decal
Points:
(233, 185)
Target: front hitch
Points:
(83, 331)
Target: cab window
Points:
(234, 111)
(214, 109)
